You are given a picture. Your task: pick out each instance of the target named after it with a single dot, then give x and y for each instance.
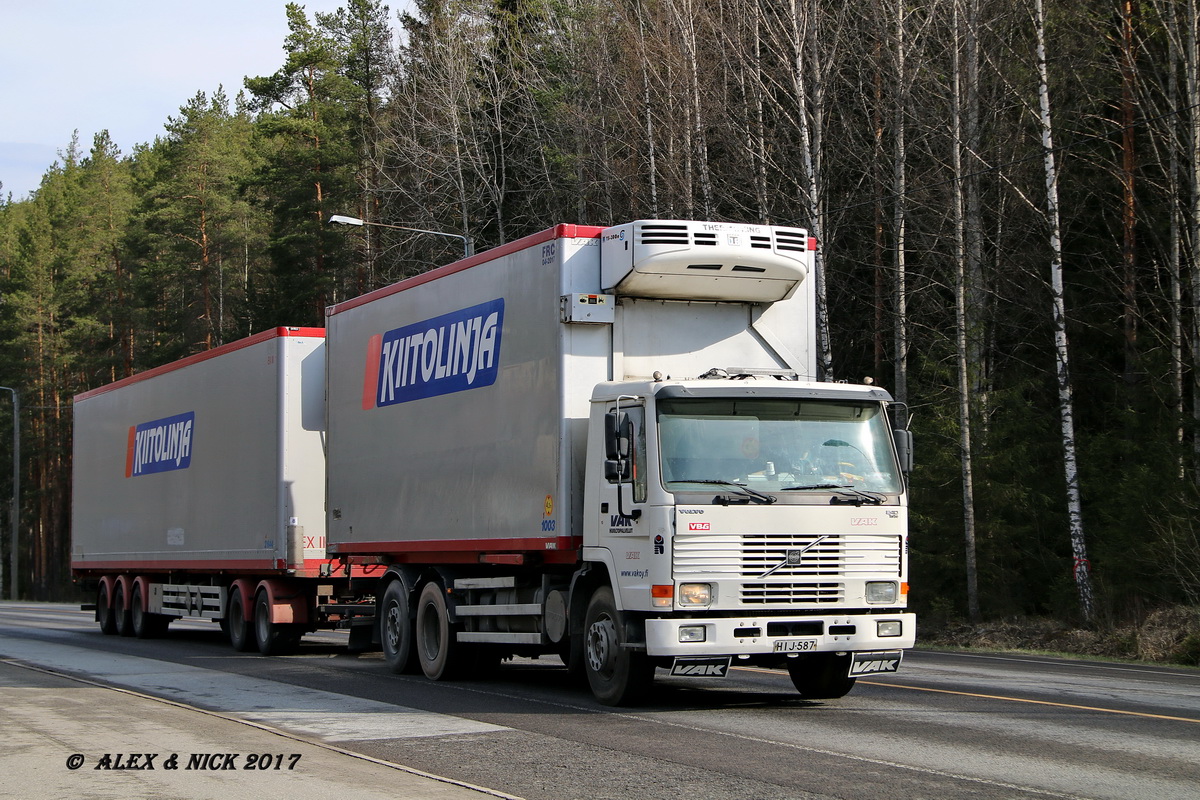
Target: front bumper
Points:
(758, 635)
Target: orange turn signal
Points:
(662, 596)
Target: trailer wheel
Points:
(241, 636)
(123, 621)
(146, 625)
(437, 649)
(105, 614)
(618, 676)
(273, 638)
(821, 676)
(396, 630)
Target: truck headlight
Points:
(695, 594)
(692, 633)
(881, 592)
(889, 627)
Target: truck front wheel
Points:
(618, 675)
(821, 676)
(396, 629)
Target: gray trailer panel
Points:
(205, 464)
(446, 413)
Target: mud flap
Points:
(875, 662)
(701, 666)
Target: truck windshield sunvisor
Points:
(774, 389)
(776, 444)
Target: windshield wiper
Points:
(738, 488)
(858, 495)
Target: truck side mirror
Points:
(618, 450)
(618, 444)
(617, 470)
(618, 435)
(904, 448)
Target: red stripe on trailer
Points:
(371, 374)
(561, 549)
(274, 333)
(129, 448)
(242, 565)
(550, 234)
(477, 545)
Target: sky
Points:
(122, 65)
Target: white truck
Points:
(601, 443)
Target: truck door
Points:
(625, 464)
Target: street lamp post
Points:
(468, 245)
(15, 513)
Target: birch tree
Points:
(900, 210)
(808, 118)
(1191, 56)
(1082, 567)
(963, 30)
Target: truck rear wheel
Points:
(436, 645)
(396, 630)
(273, 638)
(241, 636)
(618, 675)
(123, 618)
(146, 625)
(821, 676)
(105, 614)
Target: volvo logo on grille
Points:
(792, 558)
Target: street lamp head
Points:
(341, 219)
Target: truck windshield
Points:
(776, 445)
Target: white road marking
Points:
(324, 715)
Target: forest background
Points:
(1007, 199)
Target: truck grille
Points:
(792, 593)
(820, 563)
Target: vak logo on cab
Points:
(449, 353)
(160, 445)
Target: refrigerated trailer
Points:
(605, 444)
(199, 491)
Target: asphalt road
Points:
(949, 725)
